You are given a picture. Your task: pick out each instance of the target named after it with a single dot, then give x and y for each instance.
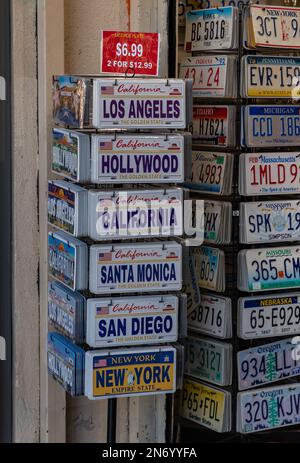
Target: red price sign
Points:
(129, 53)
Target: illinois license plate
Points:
(267, 364)
(211, 29)
(121, 321)
(270, 221)
(271, 76)
(270, 268)
(269, 408)
(269, 173)
(208, 171)
(262, 317)
(271, 126)
(206, 405)
(133, 372)
(274, 27)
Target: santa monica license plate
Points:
(272, 76)
(130, 372)
(262, 317)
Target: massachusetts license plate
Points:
(270, 221)
(269, 268)
(262, 317)
(211, 29)
(269, 408)
(121, 321)
(271, 126)
(269, 173)
(267, 364)
(274, 27)
(134, 372)
(271, 76)
(206, 405)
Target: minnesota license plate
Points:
(269, 173)
(270, 126)
(214, 125)
(269, 268)
(270, 408)
(269, 221)
(211, 29)
(263, 317)
(271, 76)
(273, 27)
(206, 405)
(134, 372)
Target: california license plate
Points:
(270, 126)
(206, 405)
(267, 364)
(269, 173)
(211, 29)
(271, 77)
(131, 372)
(269, 221)
(269, 408)
(263, 317)
(274, 27)
(269, 268)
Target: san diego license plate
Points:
(263, 317)
(271, 76)
(133, 372)
(270, 408)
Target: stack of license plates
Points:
(270, 126)
(125, 214)
(71, 155)
(155, 158)
(275, 173)
(68, 207)
(212, 172)
(214, 125)
(267, 269)
(267, 364)
(136, 267)
(212, 29)
(214, 76)
(269, 316)
(217, 222)
(125, 373)
(270, 76)
(68, 260)
(66, 363)
(270, 221)
(208, 360)
(66, 311)
(210, 268)
(142, 320)
(142, 103)
(212, 316)
(269, 408)
(272, 27)
(206, 405)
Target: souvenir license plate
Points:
(210, 316)
(272, 77)
(208, 171)
(212, 126)
(262, 317)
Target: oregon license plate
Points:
(262, 317)
(130, 372)
(271, 126)
(269, 408)
(206, 405)
(272, 76)
(274, 27)
(270, 221)
(267, 364)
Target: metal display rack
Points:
(190, 431)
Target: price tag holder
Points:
(129, 53)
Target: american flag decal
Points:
(100, 363)
(102, 310)
(105, 256)
(106, 145)
(107, 90)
